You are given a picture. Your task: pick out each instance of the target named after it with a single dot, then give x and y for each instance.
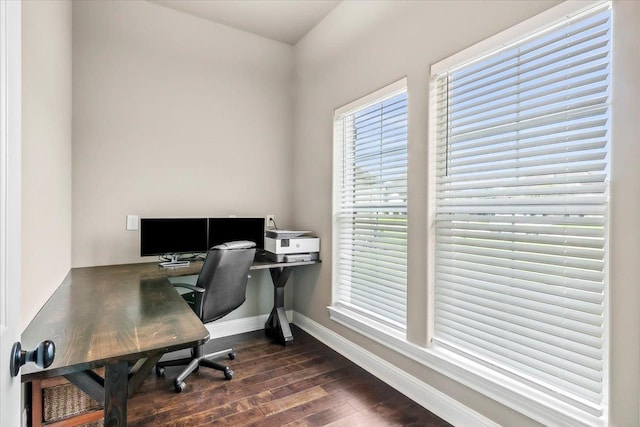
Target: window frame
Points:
(519, 397)
(346, 316)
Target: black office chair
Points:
(220, 289)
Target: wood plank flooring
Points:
(304, 384)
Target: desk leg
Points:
(277, 325)
(115, 394)
(140, 371)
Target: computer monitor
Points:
(223, 230)
(171, 237)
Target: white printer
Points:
(291, 246)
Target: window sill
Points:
(499, 387)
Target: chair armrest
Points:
(198, 296)
(190, 287)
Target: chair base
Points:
(194, 362)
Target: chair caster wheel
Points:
(228, 374)
(159, 371)
(232, 356)
(180, 387)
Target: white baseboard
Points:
(430, 398)
(224, 328)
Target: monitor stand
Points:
(174, 262)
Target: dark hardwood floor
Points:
(304, 384)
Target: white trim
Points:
(427, 396)
(501, 388)
(4, 167)
(10, 205)
(346, 316)
(546, 19)
(224, 328)
(375, 97)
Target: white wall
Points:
(46, 151)
(363, 46)
(173, 115)
(624, 240)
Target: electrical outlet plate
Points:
(270, 221)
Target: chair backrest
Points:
(224, 278)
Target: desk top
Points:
(100, 315)
(118, 312)
(154, 270)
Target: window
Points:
(521, 168)
(370, 207)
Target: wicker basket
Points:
(67, 400)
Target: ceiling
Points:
(286, 21)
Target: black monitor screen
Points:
(161, 236)
(222, 230)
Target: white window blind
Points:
(521, 209)
(370, 206)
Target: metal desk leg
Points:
(277, 325)
(115, 394)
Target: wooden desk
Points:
(113, 317)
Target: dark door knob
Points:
(42, 356)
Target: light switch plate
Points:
(132, 222)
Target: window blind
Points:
(521, 209)
(370, 206)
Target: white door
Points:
(10, 41)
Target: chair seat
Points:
(220, 288)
